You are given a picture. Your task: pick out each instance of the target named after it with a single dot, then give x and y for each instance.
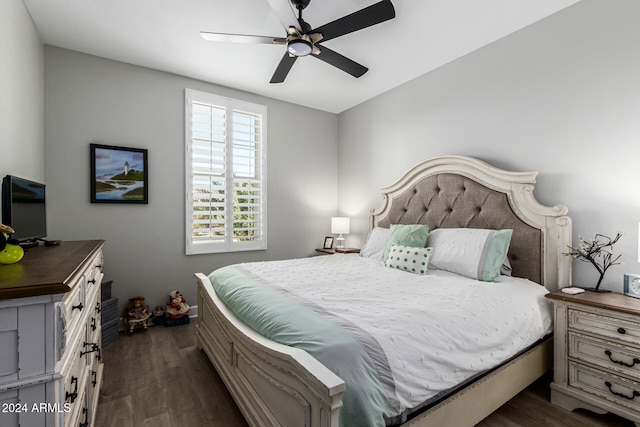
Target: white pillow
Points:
(376, 243)
(409, 258)
(471, 252)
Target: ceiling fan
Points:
(302, 40)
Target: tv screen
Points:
(23, 208)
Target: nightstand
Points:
(597, 353)
(338, 251)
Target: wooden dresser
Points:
(50, 346)
(597, 353)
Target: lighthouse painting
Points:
(118, 174)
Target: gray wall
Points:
(21, 94)
(90, 99)
(561, 97)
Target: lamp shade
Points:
(339, 225)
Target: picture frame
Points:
(328, 242)
(119, 174)
(631, 285)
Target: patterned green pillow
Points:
(414, 235)
(408, 258)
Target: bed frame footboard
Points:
(273, 384)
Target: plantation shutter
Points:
(226, 182)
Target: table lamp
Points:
(340, 226)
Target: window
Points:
(226, 208)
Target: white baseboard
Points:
(193, 312)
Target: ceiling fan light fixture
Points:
(303, 40)
(299, 47)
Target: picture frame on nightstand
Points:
(328, 242)
(632, 285)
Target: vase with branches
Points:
(599, 252)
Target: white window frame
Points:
(226, 243)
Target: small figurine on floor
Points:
(158, 315)
(137, 313)
(178, 306)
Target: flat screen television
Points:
(23, 208)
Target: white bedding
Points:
(435, 330)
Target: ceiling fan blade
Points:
(285, 13)
(284, 66)
(342, 62)
(241, 38)
(372, 15)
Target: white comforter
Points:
(436, 330)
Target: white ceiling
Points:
(165, 35)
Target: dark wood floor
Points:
(159, 378)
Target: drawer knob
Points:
(622, 331)
(78, 307)
(634, 394)
(621, 362)
(92, 281)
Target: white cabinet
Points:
(597, 353)
(50, 352)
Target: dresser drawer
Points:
(72, 307)
(618, 390)
(93, 341)
(94, 315)
(617, 357)
(94, 276)
(94, 326)
(94, 383)
(616, 328)
(74, 377)
(78, 415)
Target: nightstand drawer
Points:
(623, 359)
(610, 387)
(616, 328)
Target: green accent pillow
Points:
(413, 235)
(410, 259)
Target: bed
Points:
(278, 384)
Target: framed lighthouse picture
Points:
(119, 174)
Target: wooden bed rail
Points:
(273, 384)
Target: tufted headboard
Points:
(462, 192)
